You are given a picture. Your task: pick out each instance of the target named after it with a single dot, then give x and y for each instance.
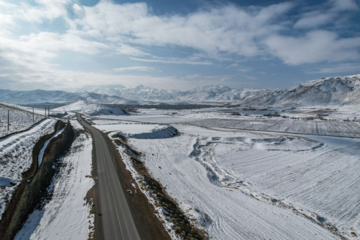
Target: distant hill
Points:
(42, 96)
(91, 109)
(207, 94)
(326, 92)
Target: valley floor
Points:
(239, 184)
(236, 177)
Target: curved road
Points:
(116, 217)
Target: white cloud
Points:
(44, 10)
(228, 29)
(222, 34)
(172, 60)
(314, 19)
(134, 68)
(341, 5)
(243, 70)
(69, 80)
(315, 46)
(124, 49)
(325, 14)
(340, 68)
(54, 42)
(35, 50)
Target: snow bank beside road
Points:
(66, 215)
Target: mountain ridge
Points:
(344, 90)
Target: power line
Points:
(8, 128)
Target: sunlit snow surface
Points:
(66, 215)
(141, 131)
(42, 150)
(16, 157)
(19, 119)
(254, 184)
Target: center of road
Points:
(115, 216)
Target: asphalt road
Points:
(117, 220)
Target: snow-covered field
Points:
(89, 109)
(239, 184)
(19, 119)
(66, 215)
(316, 127)
(16, 157)
(223, 118)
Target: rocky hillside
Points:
(328, 91)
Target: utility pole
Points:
(45, 111)
(33, 115)
(8, 119)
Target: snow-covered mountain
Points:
(326, 92)
(111, 90)
(42, 96)
(91, 109)
(205, 94)
(148, 94)
(330, 91)
(36, 96)
(215, 94)
(139, 93)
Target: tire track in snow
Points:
(220, 177)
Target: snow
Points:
(66, 215)
(239, 184)
(329, 91)
(129, 128)
(141, 131)
(91, 109)
(235, 172)
(42, 150)
(19, 119)
(6, 182)
(16, 157)
(302, 120)
(304, 178)
(326, 128)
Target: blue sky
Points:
(69, 44)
